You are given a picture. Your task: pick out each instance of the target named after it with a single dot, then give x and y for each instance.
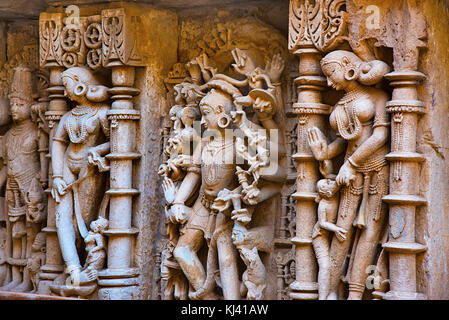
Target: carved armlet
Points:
(60, 140)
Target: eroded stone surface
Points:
(355, 209)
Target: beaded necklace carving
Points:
(79, 115)
(352, 129)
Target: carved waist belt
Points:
(372, 165)
(206, 200)
(22, 180)
(14, 213)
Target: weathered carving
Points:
(26, 209)
(79, 146)
(229, 194)
(321, 23)
(362, 124)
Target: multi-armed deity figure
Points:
(226, 177)
(21, 173)
(79, 145)
(362, 125)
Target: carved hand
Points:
(340, 233)
(59, 186)
(263, 108)
(96, 160)
(251, 195)
(238, 117)
(346, 174)
(169, 190)
(318, 144)
(194, 69)
(275, 67)
(179, 213)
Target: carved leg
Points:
(227, 261)
(186, 255)
(349, 203)
(32, 231)
(16, 254)
(66, 230)
(321, 247)
(90, 194)
(369, 240)
(65, 227)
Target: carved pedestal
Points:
(403, 199)
(311, 113)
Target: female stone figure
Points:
(362, 127)
(78, 145)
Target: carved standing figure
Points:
(79, 144)
(37, 259)
(327, 199)
(362, 125)
(22, 167)
(95, 248)
(214, 172)
(223, 184)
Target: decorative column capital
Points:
(112, 38)
(308, 24)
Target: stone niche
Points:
(224, 150)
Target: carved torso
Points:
(81, 129)
(21, 152)
(218, 167)
(353, 119)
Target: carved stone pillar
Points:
(311, 113)
(405, 108)
(50, 26)
(308, 40)
(119, 273)
(118, 281)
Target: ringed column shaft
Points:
(311, 113)
(118, 279)
(405, 108)
(54, 264)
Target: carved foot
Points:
(332, 296)
(10, 286)
(87, 276)
(23, 287)
(355, 295)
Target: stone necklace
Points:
(79, 115)
(351, 130)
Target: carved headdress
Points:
(22, 84)
(224, 91)
(87, 84)
(367, 73)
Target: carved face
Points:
(335, 75)
(327, 188)
(213, 106)
(209, 119)
(70, 84)
(20, 110)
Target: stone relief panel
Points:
(282, 178)
(224, 207)
(90, 191)
(340, 49)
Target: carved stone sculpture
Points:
(37, 259)
(362, 125)
(3, 265)
(25, 206)
(225, 196)
(78, 149)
